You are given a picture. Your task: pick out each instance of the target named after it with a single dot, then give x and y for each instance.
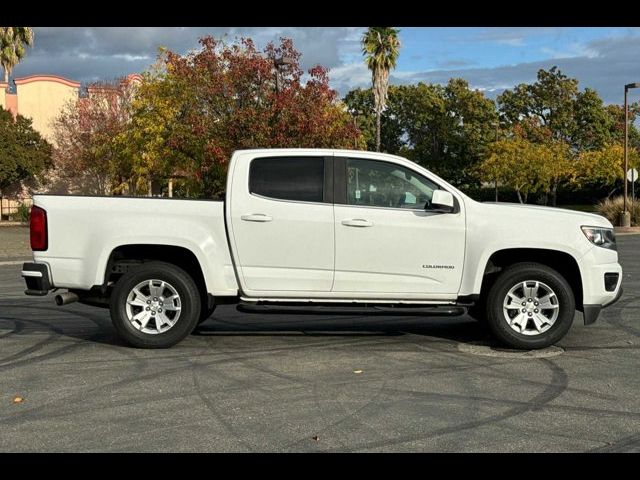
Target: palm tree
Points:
(381, 47)
(13, 41)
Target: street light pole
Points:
(279, 62)
(497, 134)
(626, 156)
(625, 218)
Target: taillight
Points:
(38, 229)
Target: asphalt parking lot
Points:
(255, 382)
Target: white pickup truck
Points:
(324, 229)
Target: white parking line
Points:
(13, 262)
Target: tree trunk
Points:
(6, 75)
(378, 115)
(519, 196)
(554, 194)
(496, 190)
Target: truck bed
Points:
(84, 230)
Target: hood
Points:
(584, 218)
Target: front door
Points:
(388, 239)
(283, 225)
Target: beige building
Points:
(41, 98)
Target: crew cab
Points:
(324, 229)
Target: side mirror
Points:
(443, 201)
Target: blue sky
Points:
(490, 58)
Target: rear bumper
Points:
(37, 278)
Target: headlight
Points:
(600, 236)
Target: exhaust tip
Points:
(65, 298)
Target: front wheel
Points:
(530, 306)
(155, 306)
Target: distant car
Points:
(324, 228)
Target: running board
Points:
(439, 311)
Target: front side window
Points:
(288, 178)
(382, 184)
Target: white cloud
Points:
(352, 75)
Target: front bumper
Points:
(598, 268)
(591, 312)
(37, 278)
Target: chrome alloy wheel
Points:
(153, 306)
(531, 307)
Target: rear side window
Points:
(288, 178)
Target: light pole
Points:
(625, 218)
(497, 136)
(280, 62)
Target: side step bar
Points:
(439, 311)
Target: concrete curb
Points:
(13, 224)
(14, 262)
(627, 230)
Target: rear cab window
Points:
(292, 178)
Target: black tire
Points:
(522, 272)
(205, 313)
(189, 298)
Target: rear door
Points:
(282, 223)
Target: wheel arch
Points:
(562, 262)
(127, 257)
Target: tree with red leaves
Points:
(196, 109)
(86, 158)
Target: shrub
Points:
(23, 213)
(611, 208)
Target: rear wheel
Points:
(530, 306)
(155, 306)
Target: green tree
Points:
(381, 48)
(604, 166)
(24, 154)
(360, 104)
(616, 132)
(155, 119)
(511, 162)
(443, 127)
(554, 167)
(594, 124)
(13, 43)
(447, 127)
(551, 100)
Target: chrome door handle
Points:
(357, 222)
(256, 217)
